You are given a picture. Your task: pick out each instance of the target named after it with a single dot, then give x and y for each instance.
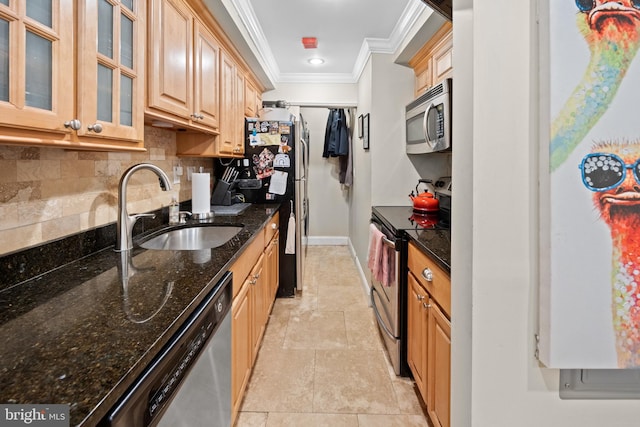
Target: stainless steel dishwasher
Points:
(189, 383)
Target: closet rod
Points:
(330, 106)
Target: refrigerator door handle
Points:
(304, 159)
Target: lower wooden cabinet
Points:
(241, 346)
(438, 366)
(257, 284)
(255, 277)
(417, 333)
(271, 261)
(429, 334)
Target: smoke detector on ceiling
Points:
(310, 42)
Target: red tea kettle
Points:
(424, 202)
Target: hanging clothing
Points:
(337, 143)
(336, 137)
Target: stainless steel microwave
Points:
(428, 120)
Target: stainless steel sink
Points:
(192, 238)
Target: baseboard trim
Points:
(364, 281)
(327, 240)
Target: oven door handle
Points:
(386, 241)
(380, 321)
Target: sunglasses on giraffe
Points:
(604, 171)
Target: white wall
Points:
(360, 203)
(495, 232)
(328, 199)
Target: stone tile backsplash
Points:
(49, 193)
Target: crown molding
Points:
(369, 45)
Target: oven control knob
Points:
(427, 274)
(219, 307)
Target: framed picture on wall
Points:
(360, 126)
(365, 131)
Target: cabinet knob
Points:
(197, 116)
(253, 281)
(274, 226)
(427, 274)
(73, 124)
(256, 276)
(96, 127)
(419, 297)
(425, 305)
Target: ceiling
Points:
(269, 34)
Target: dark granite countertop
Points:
(81, 333)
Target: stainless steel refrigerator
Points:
(278, 154)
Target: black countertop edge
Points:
(73, 335)
(440, 251)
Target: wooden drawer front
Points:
(246, 262)
(440, 284)
(271, 228)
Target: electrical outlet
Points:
(177, 171)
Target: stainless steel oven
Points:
(389, 303)
(387, 300)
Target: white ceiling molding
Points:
(369, 45)
(248, 18)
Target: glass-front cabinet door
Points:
(36, 65)
(111, 43)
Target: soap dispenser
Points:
(174, 211)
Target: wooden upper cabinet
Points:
(36, 65)
(170, 71)
(72, 76)
(228, 130)
(238, 120)
(111, 68)
(434, 61)
(442, 59)
(183, 79)
(207, 65)
(250, 99)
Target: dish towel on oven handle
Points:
(381, 260)
(375, 251)
(388, 265)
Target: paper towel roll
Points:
(200, 194)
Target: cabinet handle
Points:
(427, 274)
(425, 305)
(419, 297)
(197, 116)
(73, 124)
(96, 127)
(253, 281)
(256, 276)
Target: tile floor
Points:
(322, 363)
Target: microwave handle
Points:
(424, 122)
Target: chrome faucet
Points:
(125, 221)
